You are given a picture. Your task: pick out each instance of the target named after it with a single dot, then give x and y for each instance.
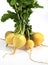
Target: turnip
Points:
(38, 38)
(18, 41)
(8, 32)
(29, 44)
(9, 38)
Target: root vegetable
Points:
(8, 32)
(9, 38)
(29, 44)
(38, 38)
(18, 41)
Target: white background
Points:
(39, 22)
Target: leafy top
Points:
(21, 15)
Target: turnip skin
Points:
(8, 32)
(38, 38)
(29, 44)
(9, 39)
(19, 41)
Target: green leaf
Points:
(13, 2)
(8, 1)
(10, 14)
(26, 2)
(5, 17)
(36, 5)
(26, 13)
(13, 16)
(35, 1)
(21, 15)
(28, 28)
(20, 8)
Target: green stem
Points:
(22, 24)
(28, 34)
(19, 25)
(23, 27)
(17, 12)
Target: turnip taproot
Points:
(29, 45)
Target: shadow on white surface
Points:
(10, 47)
(3, 46)
(39, 54)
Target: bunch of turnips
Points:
(23, 34)
(20, 40)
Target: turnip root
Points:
(9, 38)
(8, 32)
(29, 44)
(38, 38)
(18, 41)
